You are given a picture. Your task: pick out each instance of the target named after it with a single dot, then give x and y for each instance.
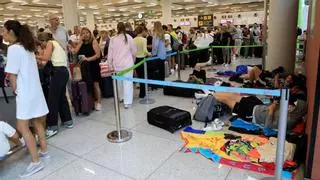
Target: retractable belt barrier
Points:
(121, 135)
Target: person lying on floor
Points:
(7, 133)
(252, 109)
(275, 79)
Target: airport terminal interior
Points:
(159, 89)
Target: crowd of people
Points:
(38, 68)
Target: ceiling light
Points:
(254, 5)
(96, 12)
(111, 9)
(123, 1)
(81, 7)
(188, 0)
(53, 11)
(60, 5)
(35, 10)
(106, 4)
(93, 7)
(123, 9)
(8, 14)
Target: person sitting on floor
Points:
(253, 108)
(7, 133)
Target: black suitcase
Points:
(169, 118)
(106, 87)
(178, 91)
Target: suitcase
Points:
(106, 87)
(82, 101)
(169, 118)
(178, 91)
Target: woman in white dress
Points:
(24, 80)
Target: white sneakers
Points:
(98, 107)
(203, 95)
(32, 169)
(216, 125)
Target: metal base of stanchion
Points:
(113, 136)
(147, 101)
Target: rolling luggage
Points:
(169, 118)
(82, 101)
(106, 87)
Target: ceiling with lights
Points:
(32, 11)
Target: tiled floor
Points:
(84, 153)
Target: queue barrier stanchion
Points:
(119, 135)
(147, 99)
(179, 65)
(282, 129)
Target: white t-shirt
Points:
(30, 99)
(5, 131)
(167, 37)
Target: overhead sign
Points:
(205, 20)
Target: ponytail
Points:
(23, 34)
(125, 37)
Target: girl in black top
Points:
(90, 51)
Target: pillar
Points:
(282, 28)
(166, 11)
(70, 13)
(90, 20)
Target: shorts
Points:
(244, 108)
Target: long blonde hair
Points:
(157, 30)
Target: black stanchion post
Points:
(119, 135)
(179, 64)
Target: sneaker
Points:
(127, 106)
(51, 133)
(68, 125)
(98, 107)
(23, 143)
(32, 169)
(200, 95)
(218, 122)
(44, 155)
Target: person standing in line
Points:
(129, 30)
(238, 40)
(58, 32)
(167, 38)
(88, 47)
(57, 100)
(121, 55)
(103, 42)
(159, 50)
(226, 38)
(25, 82)
(246, 41)
(142, 52)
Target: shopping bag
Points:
(106, 69)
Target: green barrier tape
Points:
(121, 73)
(209, 47)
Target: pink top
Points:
(121, 53)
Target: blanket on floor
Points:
(240, 151)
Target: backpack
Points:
(174, 43)
(206, 109)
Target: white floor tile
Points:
(239, 174)
(185, 166)
(77, 141)
(136, 158)
(16, 164)
(85, 170)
